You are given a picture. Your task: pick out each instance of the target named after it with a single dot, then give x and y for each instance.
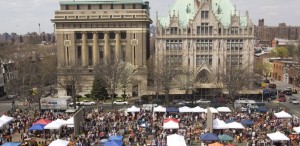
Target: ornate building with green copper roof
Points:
(203, 37)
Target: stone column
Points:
(118, 47)
(84, 50)
(106, 48)
(95, 49)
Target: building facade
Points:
(92, 32)
(265, 34)
(204, 36)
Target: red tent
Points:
(43, 122)
(171, 119)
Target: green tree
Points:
(280, 52)
(99, 90)
(263, 69)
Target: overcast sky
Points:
(22, 16)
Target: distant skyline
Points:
(22, 16)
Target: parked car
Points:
(282, 99)
(87, 102)
(273, 86)
(120, 102)
(11, 96)
(71, 104)
(293, 100)
(287, 91)
(202, 101)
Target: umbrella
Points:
(43, 121)
(246, 122)
(103, 140)
(172, 109)
(262, 109)
(209, 137)
(38, 127)
(113, 143)
(225, 137)
(12, 144)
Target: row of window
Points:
(234, 45)
(234, 60)
(204, 28)
(101, 54)
(100, 25)
(174, 59)
(100, 6)
(112, 35)
(174, 45)
(204, 45)
(200, 59)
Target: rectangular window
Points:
(90, 56)
(123, 6)
(234, 30)
(204, 14)
(111, 6)
(173, 30)
(101, 36)
(79, 55)
(67, 7)
(133, 6)
(100, 6)
(89, 36)
(101, 52)
(112, 35)
(123, 49)
(123, 35)
(78, 7)
(78, 36)
(89, 7)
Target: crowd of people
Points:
(145, 127)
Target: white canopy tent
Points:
(133, 109)
(159, 109)
(54, 125)
(63, 122)
(5, 119)
(213, 110)
(235, 125)
(185, 109)
(198, 109)
(297, 129)
(171, 125)
(59, 142)
(70, 121)
(175, 140)
(224, 109)
(278, 136)
(219, 124)
(283, 115)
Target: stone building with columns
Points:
(91, 32)
(204, 36)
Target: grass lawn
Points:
(107, 100)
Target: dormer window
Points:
(204, 14)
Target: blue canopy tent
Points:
(209, 137)
(113, 143)
(12, 144)
(246, 122)
(38, 127)
(116, 138)
(262, 109)
(172, 109)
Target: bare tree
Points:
(115, 74)
(235, 79)
(165, 75)
(71, 78)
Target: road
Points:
(292, 108)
